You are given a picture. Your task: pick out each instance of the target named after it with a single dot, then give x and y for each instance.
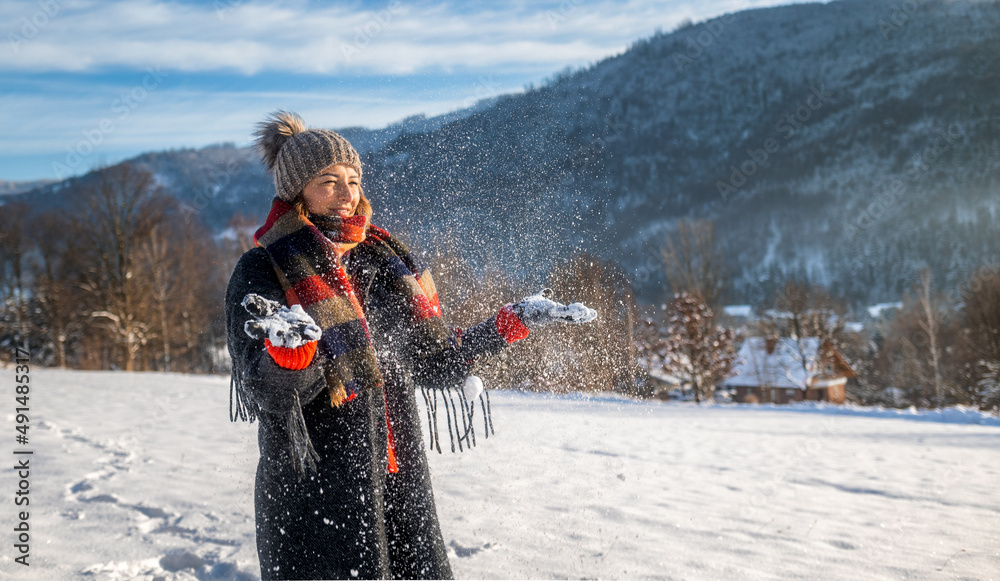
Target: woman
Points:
(332, 324)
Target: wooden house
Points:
(785, 370)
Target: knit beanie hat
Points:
(296, 155)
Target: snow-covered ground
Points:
(142, 476)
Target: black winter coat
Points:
(349, 519)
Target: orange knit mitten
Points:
(294, 359)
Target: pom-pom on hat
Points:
(296, 155)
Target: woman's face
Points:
(334, 192)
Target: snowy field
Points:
(142, 476)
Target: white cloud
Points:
(68, 62)
(167, 118)
(398, 38)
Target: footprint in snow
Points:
(176, 564)
(461, 551)
(81, 486)
(111, 498)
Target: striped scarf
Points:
(311, 274)
(305, 254)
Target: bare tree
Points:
(120, 209)
(696, 348)
(802, 310)
(13, 248)
(600, 355)
(930, 323)
(195, 306)
(469, 296)
(56, 287)
(159, 263)
(692, 263)
(238, 238)
(981, 324)
(909, 354)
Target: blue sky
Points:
(86, 83)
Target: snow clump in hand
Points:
(283, 326)
(538, 309)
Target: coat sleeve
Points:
(450, 361)
(438, 359)
(269, 387)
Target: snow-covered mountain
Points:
(880, 142)
(850, 143)
(14, 187)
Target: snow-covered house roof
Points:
(667, 378)
(876, 311)
(854, 327)
(786, 366)
(776, 314)
(745, 311)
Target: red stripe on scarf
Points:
(393, 467)
(278, 209)
(352, 228)
(422, 308)
(435, 305)
(311, 290)
(337, 280)
(382, 234)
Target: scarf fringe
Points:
(304, 456)
(300, 447)
(463, 434)
(242, 410)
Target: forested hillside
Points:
(848, 143)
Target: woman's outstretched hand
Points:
(539, 310)
(282, 326)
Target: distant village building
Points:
(738, 311)
(771, 370)
(664, 385)
(884, 310)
